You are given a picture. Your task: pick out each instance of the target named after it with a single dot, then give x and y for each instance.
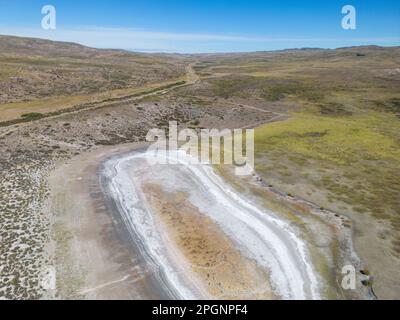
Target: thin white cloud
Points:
(130, 38)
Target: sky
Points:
(206, 25)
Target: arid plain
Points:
(327, 156)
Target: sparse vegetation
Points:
(339, 148)
(34, 69)
(32, 116)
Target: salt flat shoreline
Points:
(94, 256)
(155, 280)
(260, 234)
(99, 259)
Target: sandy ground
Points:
(209, 253)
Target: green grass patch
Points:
(32, 116)
(340, 140)
(354, 159)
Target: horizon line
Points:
(166, 51)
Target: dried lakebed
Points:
(200, 238)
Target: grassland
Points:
(364, 151)
(344, 140)
(350, 164)
(340, 148)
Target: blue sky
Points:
(206, 26)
